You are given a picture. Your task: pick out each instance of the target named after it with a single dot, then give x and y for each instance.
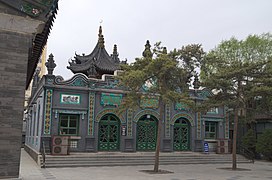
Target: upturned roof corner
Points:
(98, 62)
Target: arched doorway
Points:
(181, 135)
(147, 133)
(109, 133)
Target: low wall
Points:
(34, 154)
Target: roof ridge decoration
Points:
(81, 80)
(196, 82)
(50, 64)
(147, 52)
(101, 41)
(78, 80)
(115, 54)
(98, 62)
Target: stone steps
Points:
(95, 159)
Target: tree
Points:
(264, 144)
(262, 90)
(165, 75)
(237, 72)
(249, 140)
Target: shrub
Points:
(264, 144)
(249, 140)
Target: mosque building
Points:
(81, 114)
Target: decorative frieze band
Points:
(48, 111)
(167, 120)
(111, 99)
(149, 102)
(227, 126)
(91, 114)
(129, 122)
(198, 129)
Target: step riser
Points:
(132, 164)
(139, 159)
(102, 160)
(82, 164)
(128, 160)
(109, 158)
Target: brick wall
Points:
(14, 49)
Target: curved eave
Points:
(109, 69)
(99, 57)
(82, 59)
(39, 43)
(92, 55)
(105, 62)
(77, 68)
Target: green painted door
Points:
(146, 134)
(181, 135)
(109, 133)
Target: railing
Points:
(247, 153)
(43, 155)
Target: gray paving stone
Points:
(259, 170)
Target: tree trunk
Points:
(158, 145)
(238, 106)
(234, 142)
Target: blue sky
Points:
(129, 23)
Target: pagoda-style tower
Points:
(98, 62)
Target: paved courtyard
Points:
(260, 170)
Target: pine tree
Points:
(238, 72)
(166, 75)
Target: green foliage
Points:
(239, 71)
(165, 74)
(161, 74)
(264, 144)
(249, 140)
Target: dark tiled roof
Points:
(99, 58)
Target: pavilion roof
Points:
(98, 62)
